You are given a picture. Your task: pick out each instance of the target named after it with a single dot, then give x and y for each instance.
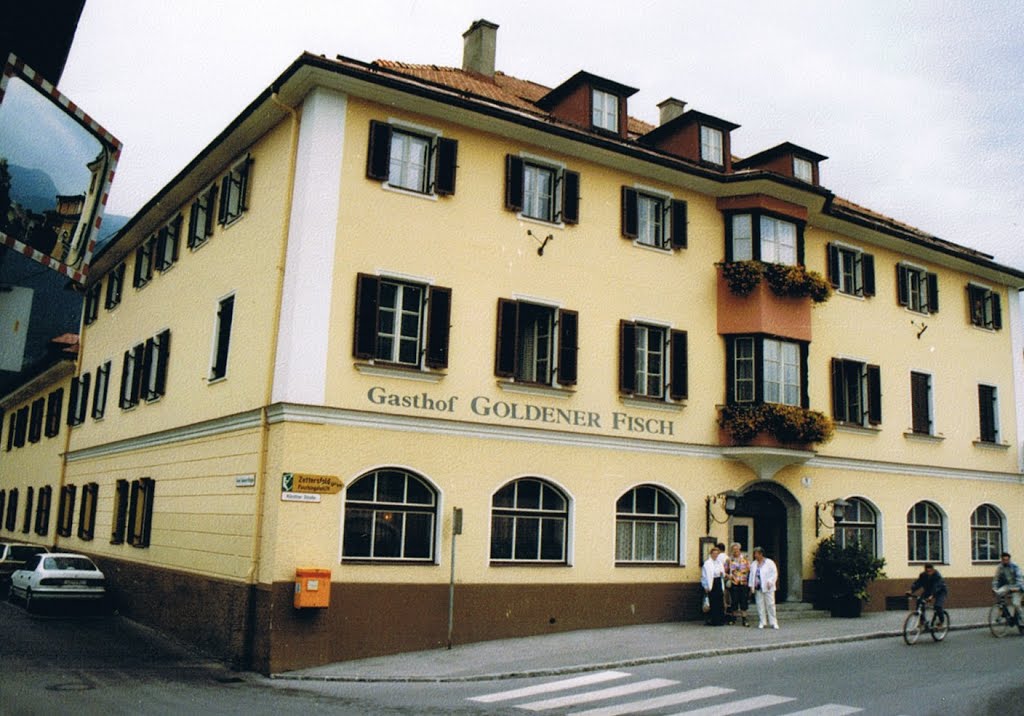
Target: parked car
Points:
(13, 555)
(55, 577)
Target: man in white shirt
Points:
(762, 580)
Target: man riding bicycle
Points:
(1008, 580)
(932, 585)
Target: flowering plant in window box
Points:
(784, 280)
(788, 424)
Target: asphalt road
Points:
(83, 665)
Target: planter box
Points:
(760, 440)
(762, 312)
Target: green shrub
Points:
(846, 571)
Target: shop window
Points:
(529, 523)
(390, 515)
(859, 525)
(925, 534)
(647, 526)
(986, 534)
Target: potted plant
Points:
(844, 574)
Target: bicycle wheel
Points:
(939, 629)
(998, 624)
(912, 628)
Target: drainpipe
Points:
(252, 577)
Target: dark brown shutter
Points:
(986, 413)
(225, 192)
(123, 400)
(832, 260)
(919, 403)
(243, 185)
(568, 330)
(570, 197)
(730, 369)
(193, 224)
(163, 354)
(627, 357)
(867, 269)
(364, 342)
(513, 183)
(210, 203)
(901, 285)
(799, 244)
(679, 387)
(438, 327)
(933, 293)
(838, 390)
(378, 154)
(874, 374)
(679, 221)
(447, 160)
(84, 397)
(139, 374)
(73, 401)
(505, 349)
(728, 237)
(630, 215)
(997, 311)
(137, 276)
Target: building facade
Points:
(537, 342)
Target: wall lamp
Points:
(728, 499)
(839, 506)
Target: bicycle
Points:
(1001, 618)
(918, 622)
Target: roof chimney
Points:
(479, 43)
(670, 109)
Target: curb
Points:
(601, 666)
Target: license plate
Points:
(74, 582)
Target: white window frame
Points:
(712, 145)
(785, 365)
(568, 547)
(875, 526)
(803, 169)
(987, 307)
(604, 110)
(922, 298)
(1000, 528)
(773, 249)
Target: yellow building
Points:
(390, 300)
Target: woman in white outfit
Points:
(762, 580)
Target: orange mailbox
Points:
(312, 587)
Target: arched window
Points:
(924, 533)
(860, 524)
(390, 515)
(986, 534)
(529, 522)
(647, 526)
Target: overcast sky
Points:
(919, 105)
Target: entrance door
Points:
(764, 516)
(741, 530)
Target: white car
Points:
(55, 577)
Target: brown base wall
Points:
(365, 620)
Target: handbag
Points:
(706, 605)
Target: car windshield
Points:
(20, 553)
(68, 563)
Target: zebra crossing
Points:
(580, 696)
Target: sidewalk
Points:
(578, 651)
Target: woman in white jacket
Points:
(762, 580)
(712, 578)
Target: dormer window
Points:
(803, 170)
(605, 110)
(711, 145)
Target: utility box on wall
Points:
(312, 587)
